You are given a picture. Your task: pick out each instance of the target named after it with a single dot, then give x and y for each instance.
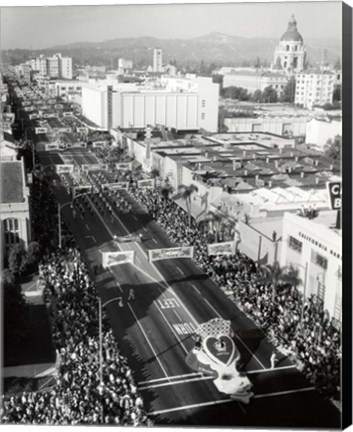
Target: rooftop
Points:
(11, 182)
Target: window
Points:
(202, 116)
(319, 260)
(296, 48)
(287, 48)
(295, 244)
(203, 103)
(11, 230)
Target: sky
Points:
(38, 27)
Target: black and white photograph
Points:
(172, 234)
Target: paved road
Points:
(155, 330)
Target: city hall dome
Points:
(292, 34)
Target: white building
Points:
(319, 131)
(157, 60)
(256, 80)
(65, 67)
(290, 53)
(53, 67)
(279, 125)
(124, 66)
(316, 245)
(314, 88)
(14, 205)
(132, 106)
(66, 88)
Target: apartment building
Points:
(314, 88)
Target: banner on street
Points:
(170, 253)
(115, 258)
(89, 167)
(118, 185)
(147, 184)
(64, 169)
(128, 238)
(40, 130)
(124, 166)
(99, 144)
(82, 129)
(224, 248)
(52, 146)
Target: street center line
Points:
(184, 381)
(196, 288)
(180, 270)
(176, 313)
(286, 392)
(174, 377)
(257, 371)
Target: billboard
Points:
(99, 144)
(148, 184)
(170, 253)
(67, 114)
(88, 167)
(115, 258)
(82, 129)
(334, 194)
(224, 248)
(64, 169)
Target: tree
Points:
(216, 219)
(15, 313)
(276, 274)
(154, 172)
(185, 193)
(269, 95)
(257, 96)
(288, 94)
(337, 91)
(17, 260)
(333, 148)
(291, 276)
(33, 256)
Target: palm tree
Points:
(165, 192)
(275, 274)
(291, 277)
(185, 193)
(216, 218)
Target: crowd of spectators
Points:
(314, 341)
(78, 396)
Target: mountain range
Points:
(214, 48)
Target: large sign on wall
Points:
(334, 195)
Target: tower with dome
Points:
(290, 53)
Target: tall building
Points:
(53, 67)
(192, 106)
(65, 67)
(157, 60)
(314, 88)
(290, 53)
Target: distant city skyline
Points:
(38, 27)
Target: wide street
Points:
(155, 330)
